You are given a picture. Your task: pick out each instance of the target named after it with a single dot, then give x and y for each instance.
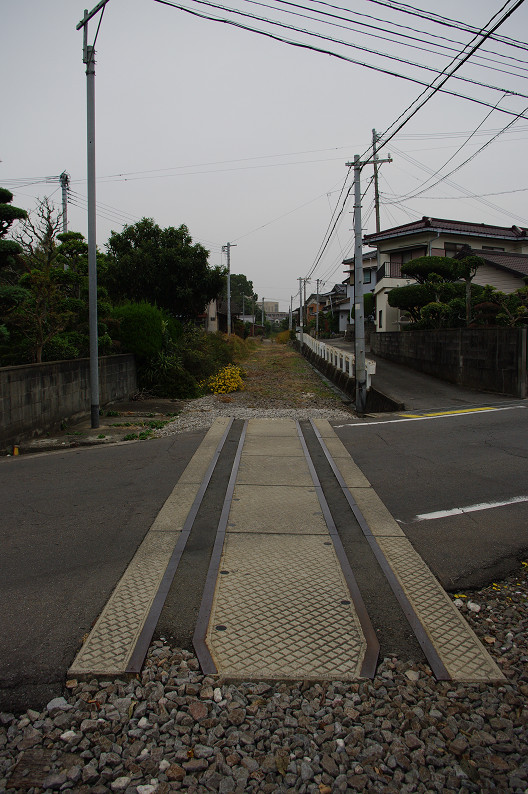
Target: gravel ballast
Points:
(173, 729)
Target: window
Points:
(491, 248)
(380, 320)
(367, 276)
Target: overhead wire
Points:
(430, 34)
(458, 167)
(377, 35)
(448, 72)
(339, 56)
(466, 193)
(446, 21)
(303, 31)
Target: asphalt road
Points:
(71, 523)
(444, 463)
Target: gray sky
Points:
(245, 139)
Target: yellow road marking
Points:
(448, 413)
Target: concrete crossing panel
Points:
(282, 610)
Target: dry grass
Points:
(278, 375)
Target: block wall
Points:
(36, 398)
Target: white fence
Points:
(340, 359)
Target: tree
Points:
(162, 267)
(438, 299)
(9, 252)
(500, 308)
(45, 309)
(9, 249)
(465, 267)
(241, 288)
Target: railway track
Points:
(277, 559)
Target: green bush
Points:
(141, 328)
(165, 376)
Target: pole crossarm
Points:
(89, 14)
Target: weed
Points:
(101, 435)
(130, 437)
(112, 413)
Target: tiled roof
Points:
(444, 225)
(516, 263)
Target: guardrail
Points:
(340, 359)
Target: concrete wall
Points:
(35, 398)
(487, 359)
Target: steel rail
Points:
(205, 658)
(145, 636)
(370, 660)
(437, 666)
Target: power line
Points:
(458, 167)
(446, 21)
(456, 186)
(339, 56)
(377, 35)
(423, 98)
(312, 34)
(394, 24)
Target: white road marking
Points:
(469, 509)
(421, 418)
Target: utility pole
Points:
(359, 315)
(64, 183)
(263, 317)
(227, 248)
(291, 313)
(89, 60)
(305, 307)
(376, 187)
(301, 311)
(317, 311)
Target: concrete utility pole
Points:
(64, 183)
(300, 311)
(317, 311)
(227, 248)
(359, 314)
(376, 187)
(290, 323)
(89, 60)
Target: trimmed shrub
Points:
(141, 328)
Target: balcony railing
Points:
(388, 270)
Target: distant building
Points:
(270, 307)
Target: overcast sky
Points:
(244, 138)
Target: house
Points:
(504, 249)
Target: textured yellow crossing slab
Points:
(113, 638)
(457, 645)
(199, 463)
(283, 611)
(111, 642)
(282, 607)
